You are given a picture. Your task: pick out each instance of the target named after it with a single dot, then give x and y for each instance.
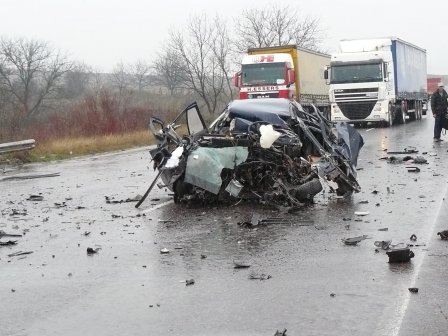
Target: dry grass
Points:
(68, 147)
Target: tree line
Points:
(197, 61)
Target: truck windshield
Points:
(263, 73)
(356, 73)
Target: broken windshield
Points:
(356, 73)
(263, 73)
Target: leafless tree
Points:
(30, 71)
(169, 70)
(77, 80)
(196, 47)
(121, 78)
(141, 74)
(274, 26)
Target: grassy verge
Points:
(64, 148)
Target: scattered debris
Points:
(400, 255)
(333, 295)
(86, 233)
(35, 198)
(111, 200)
(354, 240)
(410, 150)
(189, 282)
(383, 229)
(362, 213)
(384, 244)
(27, 177)
(413, 289)
(280, 333)
(203, 256)
(443, 234)
(413, 237)
(239, 265)
(164, 251)
(4, 234)
(261, 277)
(91, 251)
(19, 253)
(8, 243)
(413, 169)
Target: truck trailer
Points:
(380, 80)
(284, 72)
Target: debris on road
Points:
(15, 254)
(91, 251)
(261, 277)
(4, 234)
(413, 290)
(239, 265)
(413, 169)
(362, 213)
(28, 177)
(384, 244)
(400, 255)
(383, 229)
(443, 234)
(354, 240)
(164, 251)
(189, 282)
(280, 333)
(408, 150)
(111, 200)
(35, 198)
(413, 237)
(8, 243)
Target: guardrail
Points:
(17, 146)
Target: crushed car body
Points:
(269, 150)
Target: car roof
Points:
(278, 106)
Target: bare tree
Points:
(141, 74)
(276, 26)
(30, 71)
(169, 70)
(77, 80)
(204, 74)
(121, 78)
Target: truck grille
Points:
(365, 94)
(356, 110)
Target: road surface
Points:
(318, 285)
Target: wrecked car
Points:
(273, 151)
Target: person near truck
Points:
(439, 106)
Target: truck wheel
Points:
(401, 115)
(420, 110)
(390, 120)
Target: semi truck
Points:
(381, 80)
(284, 72)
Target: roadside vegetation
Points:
(71, 109)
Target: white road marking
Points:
(394, 328)
(158, 206)
(370, 129)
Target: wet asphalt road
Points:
(129, 288)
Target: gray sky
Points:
(104, 32)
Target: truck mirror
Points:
(326, 74)
(237, 79)
(291, 76)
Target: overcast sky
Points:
(104, 32)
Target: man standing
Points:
(439, 106)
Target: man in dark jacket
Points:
(439, 106)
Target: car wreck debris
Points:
(35, 198)
(280, 333)
(400, 255)
(164, 251)
(443, 234)
(16, 254)
(260, 277)
(413, 290)
(267, 150)
(189, 282)
(8, 243)
(4, 234)
(354, 240)
(91, 251)
(240, 265)
(384, 244)
(413, 237)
